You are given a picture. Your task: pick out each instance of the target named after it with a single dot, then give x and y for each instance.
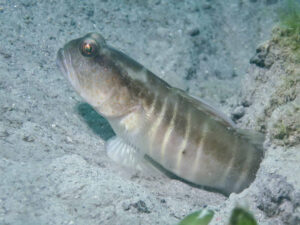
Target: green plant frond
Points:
(241, 216)
(201, 217)
(289, 17)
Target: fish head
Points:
(88, 65)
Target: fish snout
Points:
(60, 61)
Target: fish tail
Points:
(252, 153)
(254, 138)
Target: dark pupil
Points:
(88, 48)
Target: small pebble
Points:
(28, 138)
(194, 32)
(206, 6)
(238, 113)
(90, 13)
(3, 133)
(69, 140)
(157, 2)
(246, 103)
(270, 2)
(6, 55)
(126, 206)
(141, 207)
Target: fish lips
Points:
(61, 62)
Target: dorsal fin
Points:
(206, 108)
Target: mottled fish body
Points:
(184, 135)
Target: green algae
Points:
(201, 217)
(285, 48)
(289, 17)
(239, 216)
(280, 130)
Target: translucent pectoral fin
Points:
(125, 154)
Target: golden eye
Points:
(89, 48)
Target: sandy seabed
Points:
(53, 166)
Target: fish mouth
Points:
(64, 63)
(61, 61)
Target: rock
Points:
(3, 132)
(157, 2)
(5, 54)
(28, 138)
(238, 113)
(90, 13)
(126, 206)
(194, 32)
(246, 103)
(141, 207)
(276, 198)
(262, 58)
(206, 5)
(271, 2)
(163, 201)
(191, 74)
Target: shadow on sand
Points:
(96, 122)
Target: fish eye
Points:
(89, 48)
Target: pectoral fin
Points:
(125, 154)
